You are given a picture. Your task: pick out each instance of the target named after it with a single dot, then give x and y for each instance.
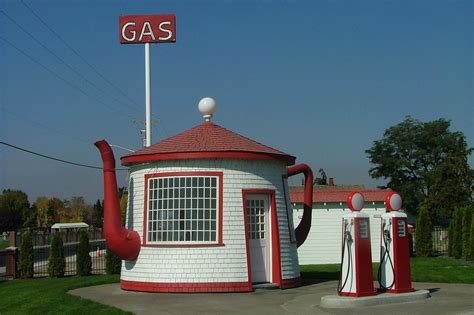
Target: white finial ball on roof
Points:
(207, 107)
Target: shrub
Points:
(470, 255)
(113, 263)
(466, 231)
(423, 236)
(456, 237)
(451, 234)
(26, 261)
(56, 262)
(83, 261)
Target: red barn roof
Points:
(207, 140)
(334, 195)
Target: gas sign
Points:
(140, 29)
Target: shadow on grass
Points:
(310, 278)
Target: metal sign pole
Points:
(147, 97)
(146, 29)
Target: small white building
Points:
(323, 244)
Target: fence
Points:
(9, 257)
(440, 240)
(97, 253)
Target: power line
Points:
(63, 79)
(55, 159)
(77, 53)
(62, 61)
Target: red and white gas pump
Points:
(356, 263)
(394, 272)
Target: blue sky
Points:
(320, 80)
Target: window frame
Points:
(219, 214)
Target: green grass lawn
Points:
(422, 269)
(45, 295)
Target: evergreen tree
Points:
(457, 233)
(56, 262)
(423, 236)
(470, 255)
(466, 231)
(26, 262)
(451, 234)
(83, 259)
(113, 263)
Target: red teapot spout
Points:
(124, 243)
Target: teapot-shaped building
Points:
(208, 211)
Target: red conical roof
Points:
(206, 140)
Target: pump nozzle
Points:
(348, 236)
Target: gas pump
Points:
(355, 277)
(394, 271)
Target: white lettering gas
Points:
(169, 32)
(124, 29)
(149, 31)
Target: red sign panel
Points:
(138, 29)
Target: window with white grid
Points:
(182, 209)
(256, 218)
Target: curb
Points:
(335, 301)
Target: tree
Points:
(425, 162)
(83, 261)
(74, 210)
(470, 255)
(14, 206)
(423, 236)
(455, 239)
(113, 263)
(56, 262)
(44, 213)
(56, 206)
(123, 206)
(94, 214)
(451, 235)
(26, 261)
(466, 231)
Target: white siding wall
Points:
(323, 245)
(226, 263)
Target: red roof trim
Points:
(130, 159)
(373, 195)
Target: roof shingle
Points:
(206, 137)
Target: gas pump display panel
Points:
(364, 228)
(401, 228)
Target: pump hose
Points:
(386, 253)
(339, 287)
